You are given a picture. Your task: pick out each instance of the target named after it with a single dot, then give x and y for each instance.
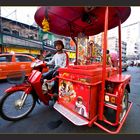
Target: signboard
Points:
(71, 54)
(20, 50)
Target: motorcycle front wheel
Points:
(16, 105)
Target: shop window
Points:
(6, 30)
(5, 58)
(23, 59)
(31, 37)
(15, 32)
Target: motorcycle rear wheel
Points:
(13, 108)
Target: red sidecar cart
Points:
(89, 92)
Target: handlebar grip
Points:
(44, 65)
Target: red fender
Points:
(25, 87)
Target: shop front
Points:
(20, 45)
(21, 50)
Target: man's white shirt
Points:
(59, 60)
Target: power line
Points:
(11, 13)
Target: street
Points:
(44, 119)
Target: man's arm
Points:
(51, 62)
(64, 61)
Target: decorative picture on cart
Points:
(80, 107)
(82, 49)
(66, 91)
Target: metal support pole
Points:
(76, 49)
(101, 100)
(120, 48)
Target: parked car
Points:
(129, 62)
(48, 57)
(15, 62)
(137, 63)
(124, 65)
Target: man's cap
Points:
(58, 42)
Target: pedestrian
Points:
(39, 57)
(108, 58)
(114, 58)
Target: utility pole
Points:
(1, 31)
(1, 40)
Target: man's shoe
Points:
(55, 96)
(51, 103)
(44, 87)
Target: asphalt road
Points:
(47, 120)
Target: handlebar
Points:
(39, 65)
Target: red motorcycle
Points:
(21, 98)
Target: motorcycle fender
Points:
(26, 88)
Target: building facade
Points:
(131, 35)
(114, 46)
(19, 38)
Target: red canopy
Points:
(69, 21)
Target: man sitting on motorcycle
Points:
(59, 60)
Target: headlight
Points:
(33, 65)
(106, 98)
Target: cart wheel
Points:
(124, 104)
(110, 113)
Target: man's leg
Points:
(48, 75)
(56, 85)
